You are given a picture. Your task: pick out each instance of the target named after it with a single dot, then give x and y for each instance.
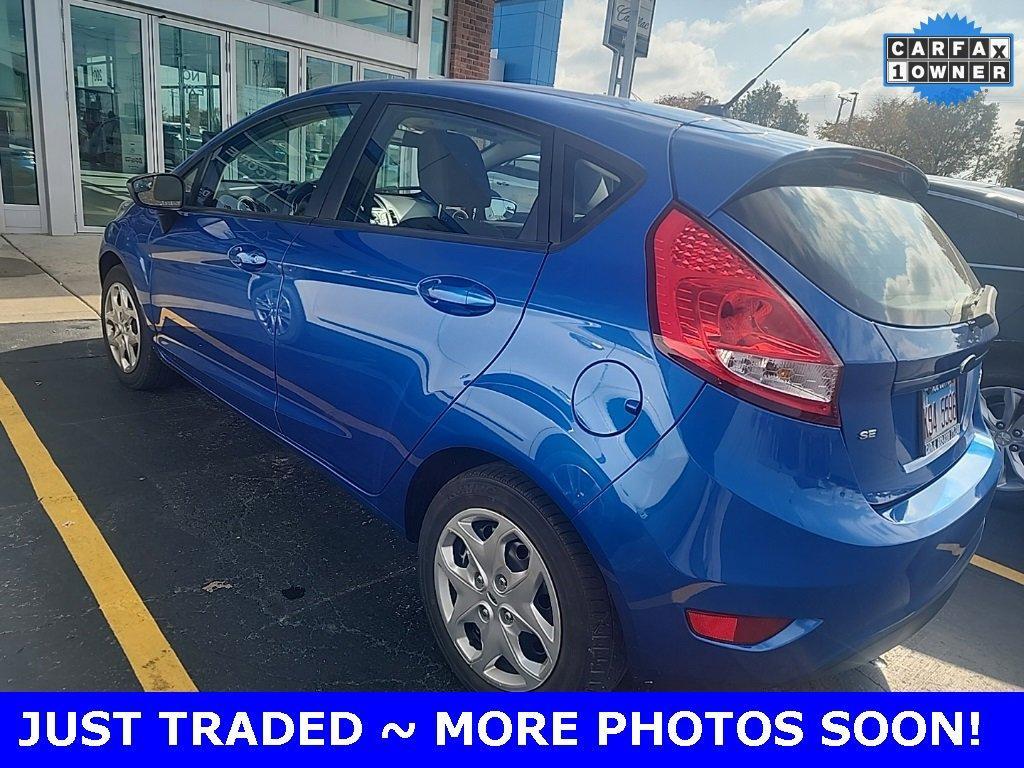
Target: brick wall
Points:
(470, 55)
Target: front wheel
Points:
(512, 595)
(128, 338)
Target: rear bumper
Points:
(718, 520)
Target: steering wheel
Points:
(299, 197)
(379, 204)
(252, 205)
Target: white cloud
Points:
(860, 36)
(679, 59)
(767, 10)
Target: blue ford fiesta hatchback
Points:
(649, 388)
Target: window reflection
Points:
(321, 72)
(386, 17)
(883, 256)
(190, 91)
(109, 102)
(261, 76)
(17, 148)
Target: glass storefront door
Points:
(262, 76)
(17, 145)
(148, 92)
(191, 109)
(110, 107)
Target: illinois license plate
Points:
(940, 421)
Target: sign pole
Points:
(629, 63)
(613, 80)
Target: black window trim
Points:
(570, 147)
(200, 160)
(372, 117)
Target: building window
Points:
(17, 148)
(370, 73)
(322, 72)
(439, 38)
(391, 16)
(302, 5)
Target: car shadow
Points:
(265, 575)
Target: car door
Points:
(411, 282)
(216, 267)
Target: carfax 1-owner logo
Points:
(948, 59)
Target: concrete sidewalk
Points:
(48, 279)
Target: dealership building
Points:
(93, 92)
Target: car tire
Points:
(1010, 436)
(570, 604)
(127, 336)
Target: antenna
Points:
(723, 109)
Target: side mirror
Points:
(159, 191)
(501, 209)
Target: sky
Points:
(718, 45)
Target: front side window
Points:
(274, 167)
(439, 171)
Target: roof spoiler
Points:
(829, 164)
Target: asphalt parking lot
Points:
(264, 575)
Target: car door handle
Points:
(248, 258)
(457, 296)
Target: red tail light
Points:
(720, 315)
(738, 630)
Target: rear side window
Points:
(871, 247)
(591, 189)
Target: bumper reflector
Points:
(736, 630)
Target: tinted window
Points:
(439, 171)
(874, 250)
(594, 190)
(275, 166)
(982, 235)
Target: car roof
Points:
(536, 96)
(1006, 198)
(566, 109)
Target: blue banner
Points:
(261, 729)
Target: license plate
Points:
(940, 421)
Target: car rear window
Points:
(871, 246)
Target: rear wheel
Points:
(128, 338)
(513, 597)
(1003, 408)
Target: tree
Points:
(1013, 170)
(961, 140)
(690, 100)
(768, 107)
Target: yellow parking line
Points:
(156, 665)
(998, 569)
